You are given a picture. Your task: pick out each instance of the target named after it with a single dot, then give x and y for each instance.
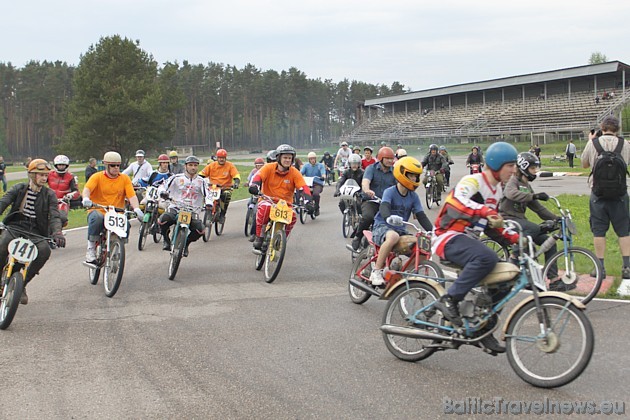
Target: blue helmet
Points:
(500, 153)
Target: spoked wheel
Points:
(207, 222)
(559, 356)
(142, 236)
(156, 230)
(250, 220)
(580, 273)
(361, 271)
(218, 225)
(275, 254)
(429, 195)
(400, 307)
(114, 266)
(302, 213)
(346, 223)
(426, 268)
(502, 251)
(94, 273)
(176, 254)
(10, 299)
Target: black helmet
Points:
(192, 159)
(326, 153)
(524, 161)
(433, 147)
(368, 148)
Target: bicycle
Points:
(186, 213)
(149, 223)
(350, 192)
(110, 249)
(22, 252)
(330, 176)
(432, 194)
(213, 217)
(302, 208)
(412, 254)
(250, 216)
(549, 338)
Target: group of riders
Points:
(499, 189)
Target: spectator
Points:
(597, 99)
(3, 176)
(604, 212)
(570, 152)
(90, 169)
(537, 151)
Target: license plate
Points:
(184, 217)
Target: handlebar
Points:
(16, 231)
(116, 209)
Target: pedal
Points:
(90, 265)
(256, 251)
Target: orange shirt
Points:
(280, 186)
(109, 191)
(220, 174)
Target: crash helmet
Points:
(61, 160)
(524, 161)
(405, 166)
(500, 153)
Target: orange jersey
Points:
(280, 186)
(109, 191)
(220, 174)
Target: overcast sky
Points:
(422, 44)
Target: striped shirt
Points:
(29, 204)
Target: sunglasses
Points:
(114, 165)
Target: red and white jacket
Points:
(62, 184)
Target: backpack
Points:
(609, 171)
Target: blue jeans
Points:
(476, 259)
(95, 221)
(4, 183)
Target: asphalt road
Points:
(218, 342)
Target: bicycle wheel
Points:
(429, 195)
(426, 268)
(361, 270)
(346, 224)
(574, 270)
(402, 305)
(177, 253)
(218, 225)
(502, 251)
(250, 220)
(560, 356)
(10, 299)
(142, 236)
(208, 218)
(275, 254)
(114, 266)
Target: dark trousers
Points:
(533, 230)
(168, 218)
(368, 211)
(43, 253)
(476, 259)
(570, 157)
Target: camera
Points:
(597, 133)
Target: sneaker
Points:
(252, 238)
(24, 297)
(560, 286)
(448, 306)
(492, 344)
(376, 278)
(625, 273)
(90, 256)
(166, 246)
(356, 243)
(258, 242)
(317, 211)
(594, 273)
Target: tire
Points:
(114, 266)
(207, 222)
(218, 226)
(578, 267)
(346, 224)
(94, 273)
(10, 300)
(250, 220)
(502, 251)
(558, 361)
(177, 253)
(275, 254)
(303, 214)
(157, 230)
(142, 236)
(357, 295)
(429, 195)
(404, 301)
(426, 268)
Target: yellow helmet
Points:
(405, 166)
(38, 166)
(172, 153)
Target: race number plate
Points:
(349, 190)
(309, 180)
(152, 193)
(23, 250)
(281, 212)
(214, 193)
(116, 222)
(424, 243)
(184, 217)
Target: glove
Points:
(547, 225)
(254, 189)
(69, 196)
(395, 220)
(543, 196)
(495, 221)
(87, 202)
(237, 183)
(164, 195)
(139, 213)
(59, 239)
(336, 194)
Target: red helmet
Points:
(385, 152)
(163, 158)
(259, 161)
(222, 153)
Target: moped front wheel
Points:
(426, 268)
(250, 220)
(142, 236)
(361, 271)
(275, 254)
(156, 229)
(346, 223)
(218, 225)
(114, 266)
(400, 310)
(177, 253)
(10, 299)
(502, 251)
(556, 357)
(429, 195)
(207, 222)
(579, 273)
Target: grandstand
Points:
(547, 106)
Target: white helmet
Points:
(61, 160)
(354, 158)
(311, 155)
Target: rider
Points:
(356, 150)
(33, 209)
(175, 166)
(277, 180)
(399, 201)
(107, 188)
(62, 182)
(271, 156)
(368, 159)
(400, 153)
(376, 179)
(184, 187)
(258, 163)
(318, 172)
(157, 177)
(474, 158)
(518, 195)
(329, 163)
(353, 172)
(342, 156)
(474, 200)
(222, 173)
(434, 161)
(140, 170)
(447, 175)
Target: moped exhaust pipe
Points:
(413, 333)
(365, 287)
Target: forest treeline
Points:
(243, 108)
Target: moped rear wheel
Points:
(177, 253)
(361, 271)
(401, 306)
(114, 266)
(556, 358)
(10, 299)
(275, 254)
